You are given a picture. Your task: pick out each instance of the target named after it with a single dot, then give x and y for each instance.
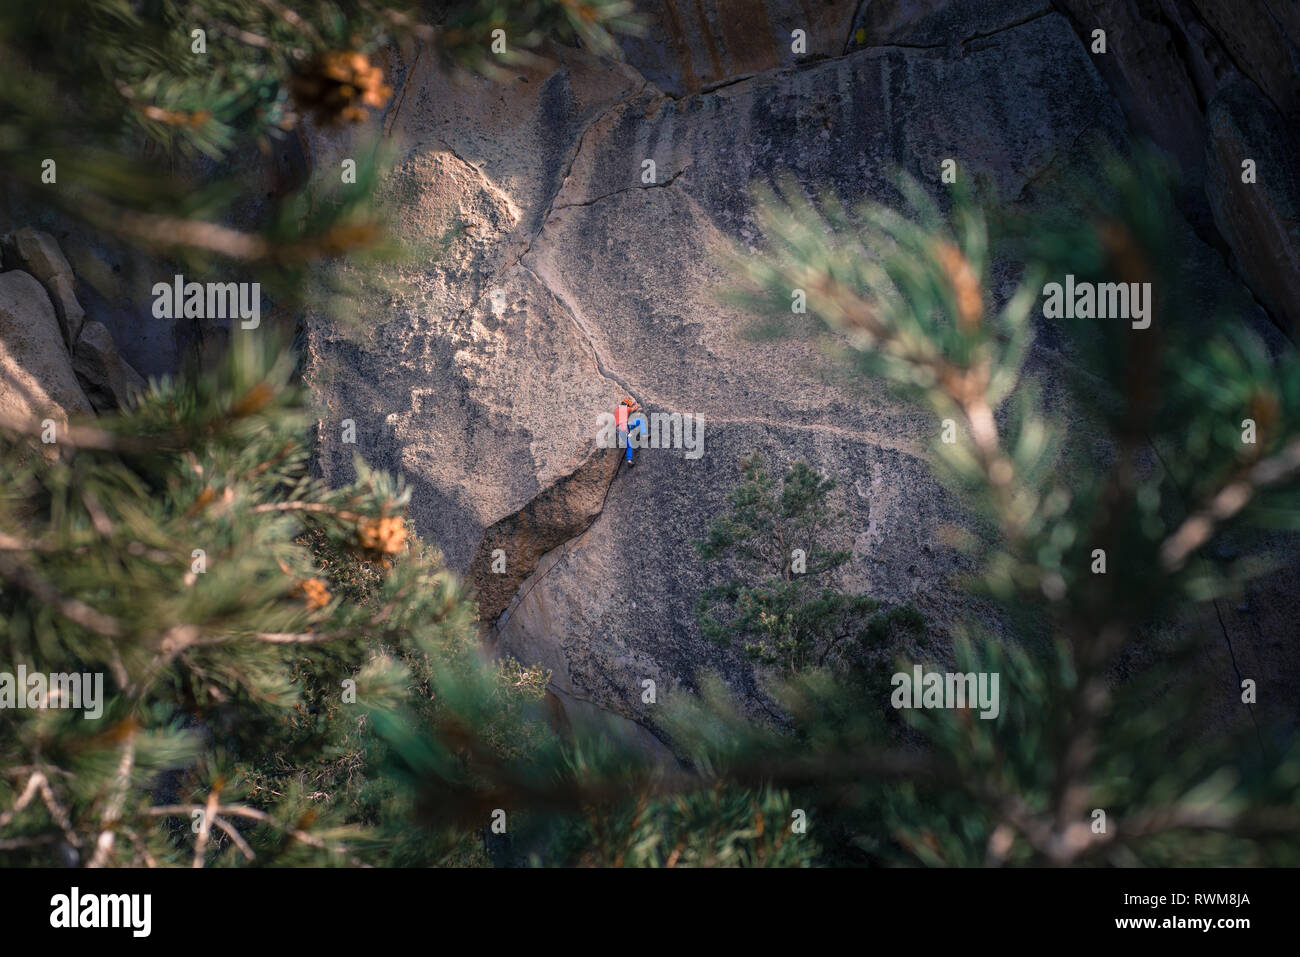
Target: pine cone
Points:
(336, 86)
(315, 593)
(384, 535)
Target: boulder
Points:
(38, 253)
(66, 307)
(36, 377)
(108, 381)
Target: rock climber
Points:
(626, 418)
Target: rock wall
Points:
(1216, 83)
(549, 278)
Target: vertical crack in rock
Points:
(525, 244)
(581, 327)
(559, 513)
(399, 100)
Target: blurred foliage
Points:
(1093, 516)
(248, 619)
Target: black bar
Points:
(259, 907)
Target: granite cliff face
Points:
(554, 273)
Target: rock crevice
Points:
(511, 548)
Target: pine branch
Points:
(72, 609)
(116, 802)
(1199, 527)
(205, 826)
(240, 810)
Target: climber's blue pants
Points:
(638, 425)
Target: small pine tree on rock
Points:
(783, 606)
